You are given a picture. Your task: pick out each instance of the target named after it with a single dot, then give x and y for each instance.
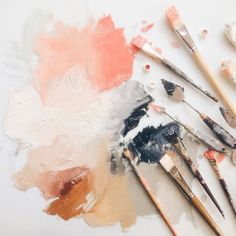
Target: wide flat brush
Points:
(174, 173)
(142, 44)
(127, 153)
(181, 30)
(213, 162)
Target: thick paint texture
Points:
(100, 50)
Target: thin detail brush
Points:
(181, 30)
(142, 44)
(213, 162)
(129, 155)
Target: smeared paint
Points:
(147, 27)
(74, 203)
(149, 143)
(133, 120)
(106, 64)
(175, 91)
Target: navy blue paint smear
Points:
(133, 120)
(170, 87)
(149, 144)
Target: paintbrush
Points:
(194, 170)
(129, 155)
(192, 167)
(209, 141)
(176, 23)
(148, 145)
(142, 44)
(177, 93)
(213, 162)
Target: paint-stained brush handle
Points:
(213, 82)
(202, 210)
(222, 181)
(186, 78)
(198, 175)
(228, 195)
(148, 190)
(178, 179)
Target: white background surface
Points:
(21, 212)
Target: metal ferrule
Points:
(183, 33)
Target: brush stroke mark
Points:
(133, 120)
(100, 49)
(148, 144)
(147, 27)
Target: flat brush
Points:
(149, 146)
(142, 44)
(127, 154)
(181, 30)
(213, 162)
(225, 137)
(174, 173)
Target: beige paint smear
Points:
(170, 197)
(115, 205)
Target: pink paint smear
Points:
(146, 28)
(100, 50)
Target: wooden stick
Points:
(148, 190)
(213, 82)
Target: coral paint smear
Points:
(99, 49)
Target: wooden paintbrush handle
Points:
(148, 190)
(202, 210)
(213, 82)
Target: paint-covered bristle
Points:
(173, 17)
(139, 41)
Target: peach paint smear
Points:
(99, 49)
(68, 116)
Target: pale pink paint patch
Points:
(147, 27)
(100, 50)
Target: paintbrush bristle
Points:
(139, 41)
(173, 17)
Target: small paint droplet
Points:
(147, 67)
(151, 85)
(203, 33)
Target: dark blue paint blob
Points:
(149, 144)
(133, 120)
